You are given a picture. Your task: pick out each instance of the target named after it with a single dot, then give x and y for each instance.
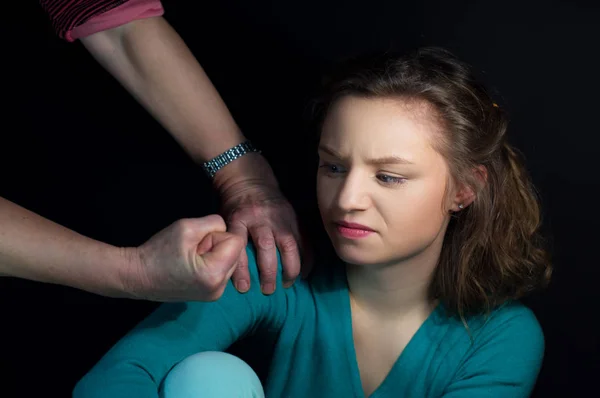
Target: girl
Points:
(436, 225)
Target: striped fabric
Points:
(68, 14)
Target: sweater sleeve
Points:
(74, 19)
(505, 359)
(140, 361)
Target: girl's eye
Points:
(332, 168)
(388, 179)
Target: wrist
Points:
(208, 151)
(110, 272)
(215, 164)
(127, 277)
(252, 168)
(99, 268)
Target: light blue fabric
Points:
(311, 328)
(212, 375)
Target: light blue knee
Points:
(212, 374)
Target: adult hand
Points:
(254, 206)
(192, 259)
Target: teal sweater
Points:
(314, 352)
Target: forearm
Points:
(35, 248)
(154, 64)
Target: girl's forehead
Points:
(376, 128)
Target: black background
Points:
(77, 149)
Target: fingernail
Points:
(288, 284)
(242, 286)
(267, 288)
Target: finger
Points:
(306, 255)
(211, 240)
(266, 257)
(219, 263)
(223, 253)
(236, 265)
(241, 275)
(290, 257)
(221, 289)
(198, 228)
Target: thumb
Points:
(220, 251)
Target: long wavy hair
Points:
(493, 250)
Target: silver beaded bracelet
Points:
(217, 163)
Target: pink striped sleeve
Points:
(73, 19)
(127, 12)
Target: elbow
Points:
(106, 44)
(123, 50)
(123, 379)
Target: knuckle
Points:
(268, 273)
(241, 268)
(214, 223)
(288, 244)
(237, 215)
(217, 220)
(237, 240)
(265, 242)
(185, 227)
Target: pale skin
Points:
(379, 169)
(190, 258)
(153, 63)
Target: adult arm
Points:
(153, 63)
(35, 248)
(192, 259)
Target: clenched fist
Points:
(192, 259)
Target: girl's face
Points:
(379, 170)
